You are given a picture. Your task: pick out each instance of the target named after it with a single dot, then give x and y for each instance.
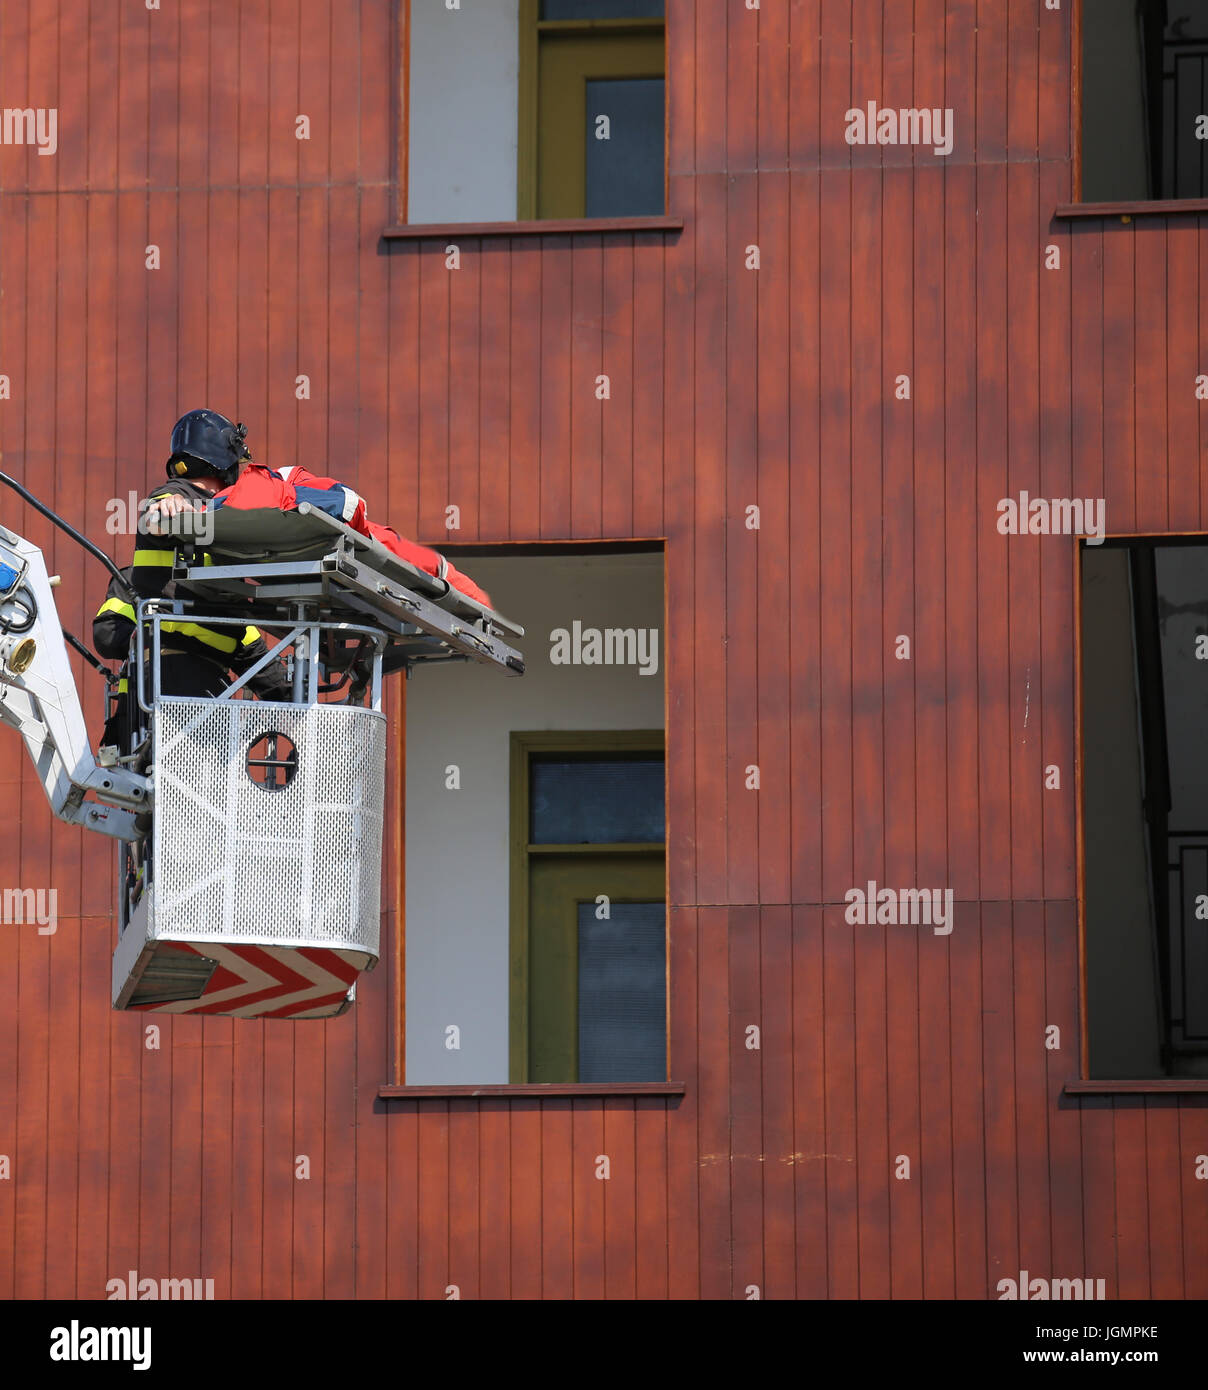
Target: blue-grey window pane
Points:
(596, 801)
(602, 9)
(622, 993)
(625, 172)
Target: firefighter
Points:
(208, 452)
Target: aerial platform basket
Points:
(266, 855)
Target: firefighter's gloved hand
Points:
(159, 513)
(273, 683)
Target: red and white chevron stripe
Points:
(269, 981)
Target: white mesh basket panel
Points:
(235, 861)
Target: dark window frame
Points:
(1084, 1083)
(1125, 209)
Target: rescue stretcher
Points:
(250, 830)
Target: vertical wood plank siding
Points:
(731, 387)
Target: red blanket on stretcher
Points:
(259, 486)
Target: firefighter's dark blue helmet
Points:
(205, 442)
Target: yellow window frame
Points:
(557, 58)
(634, 864)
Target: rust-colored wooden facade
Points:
(731, 386)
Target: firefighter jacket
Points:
(150, 575)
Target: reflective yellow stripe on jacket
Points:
(202, 634)
(165, 558)
(194, 630)
(115, 605)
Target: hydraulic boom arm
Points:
(38, 698)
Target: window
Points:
(592, 102)
(589, 955)
(1144, 84)
(585, 817)
(525, 109)
(1144, 678)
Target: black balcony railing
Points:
(1186, 944)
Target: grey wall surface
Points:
(461, 161)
